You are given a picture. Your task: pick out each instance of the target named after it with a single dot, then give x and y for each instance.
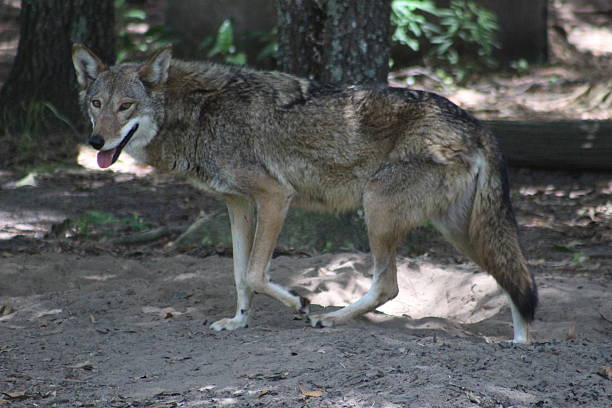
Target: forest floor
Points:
(86, 321)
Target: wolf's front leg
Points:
(272, 201)
(242, 219)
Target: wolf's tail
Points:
(493, 232)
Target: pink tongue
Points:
(105, 158)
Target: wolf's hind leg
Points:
(519, 323)
(387, 224)
(481, 225)
(242, 219)
(384, 288)
(456, 233)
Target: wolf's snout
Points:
(96, 142)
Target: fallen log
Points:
(563, 144)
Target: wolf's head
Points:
(125, 103)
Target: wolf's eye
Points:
(96, 103)
(125, 106)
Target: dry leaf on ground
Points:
(6, 310)
(263, 392)
(17, 395)
(83, 366)
(605, 371)
(311, 394)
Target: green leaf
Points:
(224, 43)
(136, 14)
(401, 37)
(237, 59)
(269, 50)
(122, 55)
(578, 258)
(98, 217)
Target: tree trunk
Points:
(340, 41)
(41, 91)
(564, 144)
(357, 41)
(300, 38)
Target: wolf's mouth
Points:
(108, 157)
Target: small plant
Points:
(223, 45)
(463, 35)
(135, 222)
(228, 47)
(85, 223)
(95, 222)
(521, 66)
(578, 258)
(130, 40)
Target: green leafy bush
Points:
(463, 36)
(409, 17)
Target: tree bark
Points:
(566, 144)
(300, 38)
(341, 41)
(42, 79)
(357, 41)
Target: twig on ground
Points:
(195, 232)
(604, 317)
(147, 236)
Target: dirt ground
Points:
(88, 323)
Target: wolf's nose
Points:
(96, 142)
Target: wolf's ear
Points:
(86, 64)
(155, 70)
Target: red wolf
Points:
(263, 141)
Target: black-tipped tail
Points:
(493, 235)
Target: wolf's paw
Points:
(230, 324)
(304, 307)
(320, 321)
(520, 340)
